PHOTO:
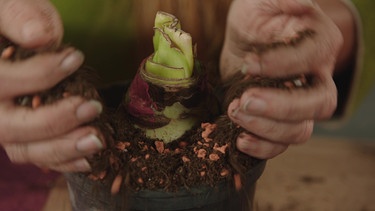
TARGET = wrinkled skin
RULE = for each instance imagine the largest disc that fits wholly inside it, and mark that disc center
(278, 118)
(48, 136)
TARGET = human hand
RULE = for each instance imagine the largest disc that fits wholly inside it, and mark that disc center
(266, 38)
(48, 136)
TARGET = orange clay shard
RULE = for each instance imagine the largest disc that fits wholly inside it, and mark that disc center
(7, 52)
(202, 153)
(220, 148)
(214, 157)
(100, 176)
(140, 180)
(237, 181)
(224, 172)
(116, 184)
(36, 101)
(159, 146)
(185, 159)
(66, 94)
(208, 128)
(122, 145)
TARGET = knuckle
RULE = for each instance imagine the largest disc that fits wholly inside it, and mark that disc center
(62, 119)
(288, 111)
(18, 153)
(245, 145)
(270, 128)
(50, 127)
(275, 149)
(43, 65)
(328, 106)
(262, 149)
(252, 124)
(306, 132)
(327, 103)
(57, 154)
(5, 134)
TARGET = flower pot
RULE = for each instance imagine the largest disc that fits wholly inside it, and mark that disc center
(86, 194)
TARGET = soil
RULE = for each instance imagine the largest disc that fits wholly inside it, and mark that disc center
(206, 155)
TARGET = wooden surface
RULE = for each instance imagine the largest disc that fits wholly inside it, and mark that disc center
(322, 175)
(325, 174)
(58, 199)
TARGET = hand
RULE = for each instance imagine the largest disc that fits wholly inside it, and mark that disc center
(277, 118)
(48, 136)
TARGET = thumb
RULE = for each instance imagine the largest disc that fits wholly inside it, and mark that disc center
(30, 23)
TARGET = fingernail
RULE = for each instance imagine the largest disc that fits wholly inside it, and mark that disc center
(247, 143)
(234, 107)
(32, 30)
(254, 105)
(90, 143)
(72, 61)
(243, 144)
(252, 64)
(89, 110)
(234, 112)
(254, 68)
(244, 69)
(82, 165)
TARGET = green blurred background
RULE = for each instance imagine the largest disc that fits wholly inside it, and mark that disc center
(102, 30)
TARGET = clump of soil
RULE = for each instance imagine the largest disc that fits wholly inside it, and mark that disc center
(206, 155)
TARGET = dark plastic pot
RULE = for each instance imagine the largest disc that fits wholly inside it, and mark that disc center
(86, 194)
(89, 195)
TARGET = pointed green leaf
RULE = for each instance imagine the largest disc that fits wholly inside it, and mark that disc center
(183, 42)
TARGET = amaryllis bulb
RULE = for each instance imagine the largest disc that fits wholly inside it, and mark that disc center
(166, 96)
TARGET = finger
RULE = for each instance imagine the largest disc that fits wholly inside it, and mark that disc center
(70, 148)
(37, 73)
(308, 56)
(30, 23)
(316, 102)
(282, 61)
(259, 148)
(273, 130)
(292, 7)
(312, 51)
(21, 124)
(278, 20)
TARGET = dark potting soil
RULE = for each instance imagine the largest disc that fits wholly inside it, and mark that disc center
(205, 155)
